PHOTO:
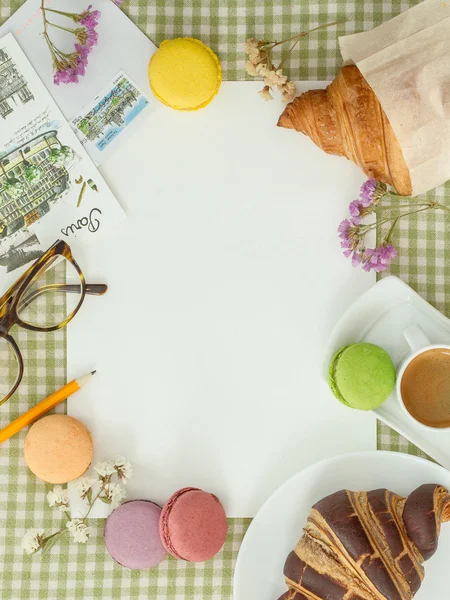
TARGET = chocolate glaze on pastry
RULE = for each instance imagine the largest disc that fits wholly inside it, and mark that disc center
(366, 545)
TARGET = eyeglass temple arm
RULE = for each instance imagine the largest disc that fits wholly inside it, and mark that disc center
(93, 289)
(96, 289)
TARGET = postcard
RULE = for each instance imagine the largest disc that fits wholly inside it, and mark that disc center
(49, 187)
(110, 117)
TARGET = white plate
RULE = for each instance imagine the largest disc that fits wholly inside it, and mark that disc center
(277, 527)
(380, 316)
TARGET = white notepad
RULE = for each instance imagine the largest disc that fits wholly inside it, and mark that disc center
(225, 282)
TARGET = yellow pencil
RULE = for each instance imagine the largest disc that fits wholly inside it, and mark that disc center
(42, 407)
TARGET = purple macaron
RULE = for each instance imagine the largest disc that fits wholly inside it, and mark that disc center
(132, 535)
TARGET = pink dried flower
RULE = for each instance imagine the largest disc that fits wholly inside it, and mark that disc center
(367, 189)
(76, 67)
(92, 38)
(67, 75)
(345, 231)
(371, 192)
(89, 18)
(83, 53)
(379, 258)
(68, 68)
(356, 259)
(81, 33)
(355, 211)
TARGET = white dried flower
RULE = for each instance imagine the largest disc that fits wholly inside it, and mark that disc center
(78, 530)
(251, 68)
(288, 90)
(252, 49)
(113, 494)
(250, 45)
(123, 469)
(84, 486)
(105, 468)
(59, 498)
(262, 69)
(32, 540)
(272, 78)
(265, 94)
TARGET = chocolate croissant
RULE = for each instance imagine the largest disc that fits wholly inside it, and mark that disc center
(347, 119)
(366, 545)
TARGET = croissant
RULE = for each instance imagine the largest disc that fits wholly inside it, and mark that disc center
(366, 545)
(347, 119)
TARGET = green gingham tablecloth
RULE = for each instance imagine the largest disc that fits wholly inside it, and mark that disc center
(77, 571)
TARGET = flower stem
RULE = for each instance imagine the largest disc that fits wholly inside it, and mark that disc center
(43, 17)
(441, 206)
(102, 487)
(58, 12)
(303, 34)
(366, 228)
(280, 66)
(92, 504)
(391, 229)
(51, 47)
(60, 27)
(394, 207)
(50, 541)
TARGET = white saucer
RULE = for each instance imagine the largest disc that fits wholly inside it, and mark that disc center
(380, 316)
(278, 525)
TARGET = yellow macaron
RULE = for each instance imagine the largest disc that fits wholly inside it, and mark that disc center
(184, 74)
(58, 448)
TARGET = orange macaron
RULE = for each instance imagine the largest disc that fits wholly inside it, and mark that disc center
(58, 449)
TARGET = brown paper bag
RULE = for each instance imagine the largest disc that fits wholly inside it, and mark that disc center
(406, 61)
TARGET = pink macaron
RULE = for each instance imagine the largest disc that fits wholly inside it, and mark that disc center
(193, 525)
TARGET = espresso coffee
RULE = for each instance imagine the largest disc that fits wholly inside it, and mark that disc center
(425, 387)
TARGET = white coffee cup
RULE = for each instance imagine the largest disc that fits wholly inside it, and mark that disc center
(419, 343)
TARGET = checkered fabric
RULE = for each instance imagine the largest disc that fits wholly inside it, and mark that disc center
(85, 572)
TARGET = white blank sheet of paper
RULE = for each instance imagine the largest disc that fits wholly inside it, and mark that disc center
(224, 284)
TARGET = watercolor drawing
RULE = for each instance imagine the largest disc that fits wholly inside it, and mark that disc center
(115, 110)
(111, 115)
(33, 177)
(14, 88)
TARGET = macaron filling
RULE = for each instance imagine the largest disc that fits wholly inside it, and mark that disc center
(332, 376)
(164, 530)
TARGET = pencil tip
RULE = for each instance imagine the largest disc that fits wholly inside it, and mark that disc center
(94, 372)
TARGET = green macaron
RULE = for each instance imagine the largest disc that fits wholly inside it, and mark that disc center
(361, 376)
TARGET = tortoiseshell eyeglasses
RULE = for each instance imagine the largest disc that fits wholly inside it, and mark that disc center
(45, 298)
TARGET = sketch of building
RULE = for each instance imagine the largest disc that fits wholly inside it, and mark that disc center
(110, 110)
(34, 199)
(14, 89)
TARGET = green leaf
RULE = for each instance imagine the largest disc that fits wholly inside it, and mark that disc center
(89, 496)
(105, 500)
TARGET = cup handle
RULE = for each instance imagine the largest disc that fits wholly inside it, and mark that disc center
(416, 338)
